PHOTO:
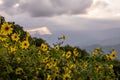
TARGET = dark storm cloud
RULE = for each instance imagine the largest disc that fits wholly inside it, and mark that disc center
(45, 8)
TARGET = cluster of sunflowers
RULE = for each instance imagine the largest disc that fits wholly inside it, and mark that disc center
(19, 60)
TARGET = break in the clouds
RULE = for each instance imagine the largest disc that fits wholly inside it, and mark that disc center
(104, 9)
(41, 31)
(40, 8)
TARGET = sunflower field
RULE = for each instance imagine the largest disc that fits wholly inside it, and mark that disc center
(21, 58)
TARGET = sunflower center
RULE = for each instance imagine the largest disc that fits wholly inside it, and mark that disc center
(6, 28)
(25, 44)
(113, 55)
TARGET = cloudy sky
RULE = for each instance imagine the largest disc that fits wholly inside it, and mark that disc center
(49, 16)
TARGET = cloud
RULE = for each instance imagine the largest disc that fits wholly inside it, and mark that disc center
(41, 31)
(45, 8)
(104, 9)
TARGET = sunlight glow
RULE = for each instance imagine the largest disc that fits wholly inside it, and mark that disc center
(16, 5)
(104, 9)
(1, 2)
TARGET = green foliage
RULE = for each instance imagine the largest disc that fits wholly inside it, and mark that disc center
(2, 20)
(37, 41)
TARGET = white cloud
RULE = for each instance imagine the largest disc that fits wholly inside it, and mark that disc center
(104, 9)
(41, 31)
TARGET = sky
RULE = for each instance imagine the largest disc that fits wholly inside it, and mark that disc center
(50, 16)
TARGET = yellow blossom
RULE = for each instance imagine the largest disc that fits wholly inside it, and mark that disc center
(111, 66)
(49, 77)
(97, 67)
(48, 65)
(45, 60)
(75, 52)
(18, 59)
(27, 34)
(3, 38)
(19, 71)
(56, 47)
(37, 71)
(25, 44)
(6, 45)
(85, 65)
(15, 37)
(6, 28)
(44, 47)
(107, 56)
(39, 53)
(66, 76)
(113, 54)
(13, 49)
(72, 66)
(68, 54)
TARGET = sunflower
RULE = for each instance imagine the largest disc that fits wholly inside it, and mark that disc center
(45, 60)
(25, 44)
(113, 55)
(68, 54)
(15, 37)
(97, 68)
(75, 52)
(18, 59)
(56, 47)
(66, 76)
(49, 77)
(48, 65)
(13, 49)
(19, 71)
(44, 47)
(111, 66)
(3, 38)
(6, 29)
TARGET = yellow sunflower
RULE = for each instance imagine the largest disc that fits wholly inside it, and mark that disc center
(49, 77)
(113, 54)
(75, 52)
(66, 76)
(97, 68)
(18, 59)
(56, 47)
(48, 65)
(44, 47)
(68, 54)
(6, 29)
(19, 71)
(13, 49)
(25, 44)
(15, 37)
(3, 38)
